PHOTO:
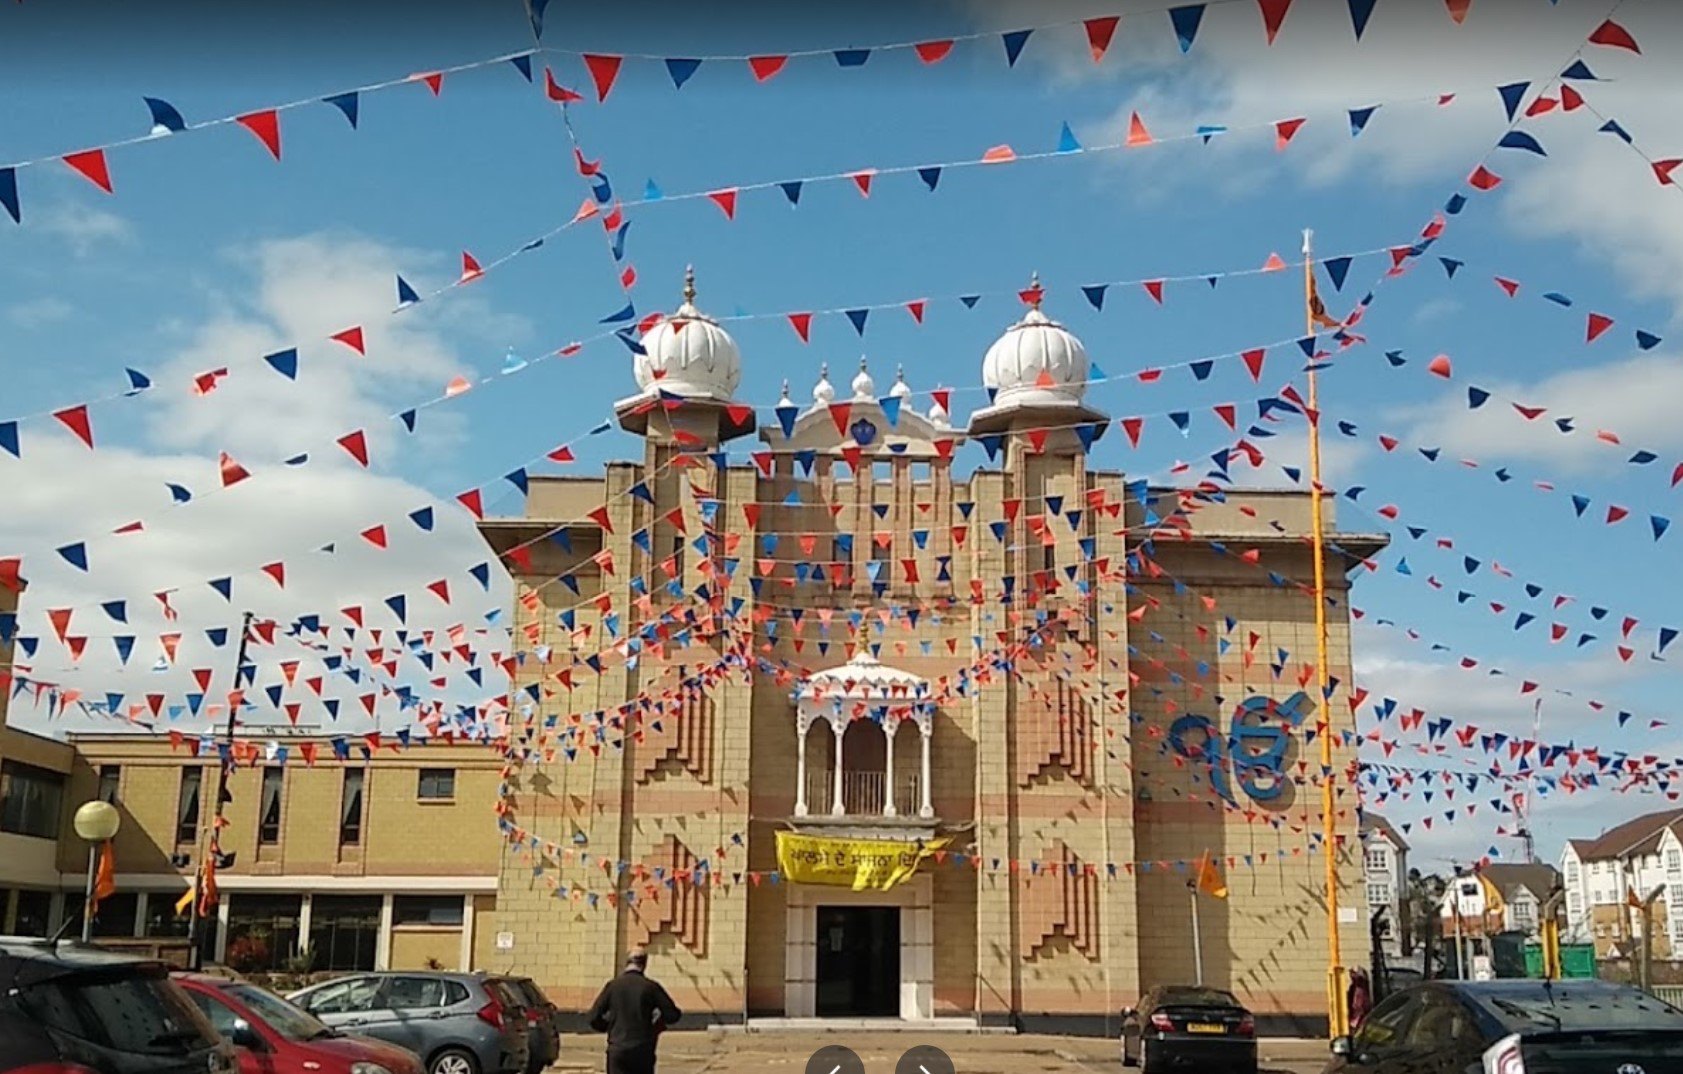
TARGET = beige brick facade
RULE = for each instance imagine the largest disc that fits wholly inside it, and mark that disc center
(1060, 771)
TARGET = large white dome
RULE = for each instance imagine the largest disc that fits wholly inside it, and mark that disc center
(687, 353)
(1034, 346)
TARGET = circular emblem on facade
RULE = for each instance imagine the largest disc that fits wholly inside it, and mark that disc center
(834, 1059)
(864, 432)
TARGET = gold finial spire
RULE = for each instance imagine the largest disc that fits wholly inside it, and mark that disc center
(900, 372)
(689, 283)
(1034, 290)
(861, 363)
(823, 370)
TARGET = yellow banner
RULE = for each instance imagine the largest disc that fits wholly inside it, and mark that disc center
(861, 864)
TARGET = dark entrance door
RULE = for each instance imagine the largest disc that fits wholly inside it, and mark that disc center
(858, 961)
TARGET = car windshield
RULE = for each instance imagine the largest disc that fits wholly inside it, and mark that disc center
(281, 1016)
(141, 1012)
(1197, 997)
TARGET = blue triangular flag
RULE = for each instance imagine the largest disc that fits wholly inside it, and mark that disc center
(534, 11)
(1014, 42)
(1095, 294)
(224, 586)
(792, 191)
(75, 554)
(1186, 20)
(9, 193)
(1451, 266)
(1660, 525)
(1646, 340)
(1512, 94)
(681, 70)
(1579, 70)
(969, 300)
(858, 318)
(284, 362)
(406, 295)
(523, 64)
(1337, 269)
(1476, 397)
(1066, 140)
(1517, 139)
(931, 176)
(1206, 131)
(652, 191)
(165, 118)
(852, 57)
(629, 312)
(517, 478)
(422, 517)
(1360, 10)
(1359, 118)
(117, 610)
(408, 419)
(1612, 127)
(346, 103)
(9, 438)
(1580, 504)
(786, 418)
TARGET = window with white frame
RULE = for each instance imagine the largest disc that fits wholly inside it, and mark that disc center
(1379, 894)
(1524, 914)
(1378, 860)
(1674, 863)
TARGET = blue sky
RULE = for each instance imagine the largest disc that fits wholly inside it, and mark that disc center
(211, 254)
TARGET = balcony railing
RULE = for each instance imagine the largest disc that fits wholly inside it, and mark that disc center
(864, 794)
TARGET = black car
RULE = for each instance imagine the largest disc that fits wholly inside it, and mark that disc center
(543, 1024)
(63, 1005)
(1515, 1027)
(1191, 1028)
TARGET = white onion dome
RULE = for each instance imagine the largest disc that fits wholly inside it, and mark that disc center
(687, 353)
(901, 389)
(863, 386)
(784, 399)
(1035, 345)
(823, 393)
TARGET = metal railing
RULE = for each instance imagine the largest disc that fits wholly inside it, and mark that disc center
(864, 794)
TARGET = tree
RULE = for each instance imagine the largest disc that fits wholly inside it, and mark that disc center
(1422, 906)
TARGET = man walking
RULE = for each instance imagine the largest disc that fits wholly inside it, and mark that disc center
(633, 1011)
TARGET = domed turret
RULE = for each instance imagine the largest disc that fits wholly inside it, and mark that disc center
(688, 354)
(901, 389)
(1036, 361)
(863, 386)
(823, 393)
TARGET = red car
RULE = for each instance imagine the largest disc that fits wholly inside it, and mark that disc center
(274, 1037)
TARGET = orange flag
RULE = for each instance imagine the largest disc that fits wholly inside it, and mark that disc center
(1209, 880)
(105, 877)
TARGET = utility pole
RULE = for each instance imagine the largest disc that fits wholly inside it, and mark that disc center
(210, 847)
(1338, 1015)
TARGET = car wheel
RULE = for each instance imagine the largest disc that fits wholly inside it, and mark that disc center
(453, 1061)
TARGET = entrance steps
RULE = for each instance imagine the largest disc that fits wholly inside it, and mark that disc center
(869, 1025)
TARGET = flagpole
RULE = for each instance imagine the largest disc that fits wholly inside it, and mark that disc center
(1197, 939)
(1337, 1013)
(212, 846)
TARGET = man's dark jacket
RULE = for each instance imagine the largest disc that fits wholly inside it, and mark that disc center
(626, 1011)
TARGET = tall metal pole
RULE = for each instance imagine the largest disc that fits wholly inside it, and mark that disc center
(1338, 1015)
(88, 897)
(213, 844)
(1197, 940)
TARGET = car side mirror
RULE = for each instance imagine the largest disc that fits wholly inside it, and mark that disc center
(1342, 1047)
(244, 1036)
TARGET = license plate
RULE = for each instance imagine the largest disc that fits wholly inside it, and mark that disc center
(1205, 1027)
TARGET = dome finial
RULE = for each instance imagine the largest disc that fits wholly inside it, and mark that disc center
(689, 283)
(1035, 292)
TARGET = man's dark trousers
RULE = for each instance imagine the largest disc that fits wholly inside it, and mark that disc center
(635, 1060)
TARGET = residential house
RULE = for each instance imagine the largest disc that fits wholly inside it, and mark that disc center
(1601, 876)
(1385, 865)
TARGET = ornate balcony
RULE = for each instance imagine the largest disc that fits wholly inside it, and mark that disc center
(866, 707)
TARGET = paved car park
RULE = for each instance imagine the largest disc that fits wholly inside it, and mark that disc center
(787, 1052)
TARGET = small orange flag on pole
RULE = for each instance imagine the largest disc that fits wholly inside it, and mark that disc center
(105, 877)
(1209, 880)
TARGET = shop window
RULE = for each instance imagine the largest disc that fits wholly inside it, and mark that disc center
(161, 918)
(262, 932)
(34, 908)
(427, 910)
(115, 915)
(30, 800)
(344, 932)
(437, 784)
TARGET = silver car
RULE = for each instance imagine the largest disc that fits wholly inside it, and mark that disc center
(458, 1023)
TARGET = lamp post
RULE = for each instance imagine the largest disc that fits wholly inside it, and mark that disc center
(95, 822)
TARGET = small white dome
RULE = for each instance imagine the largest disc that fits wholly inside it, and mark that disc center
(687, 353)
(901, 389)
(1034, 346)
(863, 386)
(823, 393)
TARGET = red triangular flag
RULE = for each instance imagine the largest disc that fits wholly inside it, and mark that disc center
(91, 164)
(266, 125)
(440, 589)
(1570, 99)
(1253, 362)
(561, 454)
(839, 413)
(1598, 323)
(1664, 168)
(375, 535)
(1484, 179)
(1613, 35)
(356, 444)
(470, 268)
(726, 200)
(933, 51)
(556, 91)
(862, 180)
(434, 81)
(232, 472)
(1458, 9)
(76, 420)
(1274, 263)
(802, 324)
(915, 308)
(603, 71)
(1099, 33)
(350, 337)
(764, 67)
(999, 154)
(1137, 134)
(472, 501)
(1133, 427)
(601, 518)
(1273, 14)
(1284, 130)
(1510, 286)
(1228, 414)
(1154, 288)
(277, 571)
(1439, 366)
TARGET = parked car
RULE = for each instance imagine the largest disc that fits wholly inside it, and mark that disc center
(543, 1025)
(70, 1009)
(275, 1037)
(1515, 1027)
(458, 1023)
(1189, 1027)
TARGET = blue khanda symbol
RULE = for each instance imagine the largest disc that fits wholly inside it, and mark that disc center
(863, 432)
(1254, 748)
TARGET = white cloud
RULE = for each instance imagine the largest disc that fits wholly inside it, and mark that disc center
(1635, 398)
(84, 228)
(1436, 310)
(39, 312)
